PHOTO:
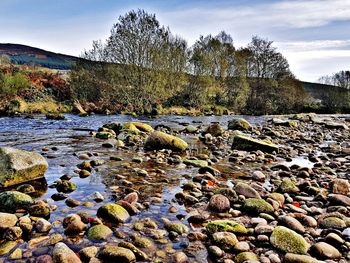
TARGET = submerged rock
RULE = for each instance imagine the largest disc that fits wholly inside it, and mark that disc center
(160, 140)
(18, 166)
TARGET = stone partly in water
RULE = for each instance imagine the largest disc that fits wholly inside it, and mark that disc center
(18, 166)
(288, 241)
(239, 124)
(99, 232)
(160, 140)
(247, 143)
(116, 254)
(215, 129)
(10, 201)
(63, 254)
(113, 213)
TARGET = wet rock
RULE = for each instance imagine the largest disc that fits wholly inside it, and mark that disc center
(285, 123)
(288, 186)
(104, 135)
(174, 226)
(99, 232)
(246, 143)
(72, 202)
(65, 186)
(10, 201)
(225, 226)
(246, 190)
(292, 223)
(44, 259)
(42, 225)
(196, 163)
(132, 210)
(160, 140)
(256, 206)
(12, 233)
(7, 220)
(6, 247)
(116, 254)
(332, 222)
(140, 255)
(339, 199)
(288, 240)
(215, 130)
(239, 124)
(229, 193)
(131, 198)
(225, 240)
(219, 203)
(323, 250)
(88, 253)
(39, 210)
(215, 251)
(295, 258)
(18, 166)
(73, 224)
(63, 254)
(180, 257)
(143, 242)
(246, 257)
(26, 188)
(55, 116)
(113, 213)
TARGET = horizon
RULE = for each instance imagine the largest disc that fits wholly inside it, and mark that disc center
(311, 34)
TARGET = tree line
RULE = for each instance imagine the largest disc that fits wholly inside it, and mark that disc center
(143, 66)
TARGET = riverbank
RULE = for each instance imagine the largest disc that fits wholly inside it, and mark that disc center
(174, 199)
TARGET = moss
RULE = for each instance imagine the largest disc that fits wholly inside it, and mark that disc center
(246, 256)
(99, 232)
(332, 222)
(196, 163)
(277, 197)
(65, 186)
(239, 124)
(142, 126)
(143, 242)
(113, 212)
(160, 140)
(176, 227)
(10, 201)
(257, 206)
(116, 254)
(246, 143)
(225, 240)
(104, 135)
(225, 226)
(288, 240)
(131, 128)
(6, 247)
(288, 186)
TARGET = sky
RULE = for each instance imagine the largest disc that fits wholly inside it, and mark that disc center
(314, 35)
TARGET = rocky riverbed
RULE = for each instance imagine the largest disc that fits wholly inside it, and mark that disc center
(179, 189)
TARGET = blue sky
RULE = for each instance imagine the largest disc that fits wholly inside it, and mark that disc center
(314, 35)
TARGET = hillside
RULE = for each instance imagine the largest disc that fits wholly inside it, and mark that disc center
(26, 55)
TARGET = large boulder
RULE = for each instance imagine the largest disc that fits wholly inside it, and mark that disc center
(18, 166)
(247, 143)
(10, 201)
(160, 140)
(288, 241)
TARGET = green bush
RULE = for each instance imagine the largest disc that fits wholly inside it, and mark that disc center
(11, 84)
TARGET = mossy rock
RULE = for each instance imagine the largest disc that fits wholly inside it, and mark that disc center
(225, 226)
(10, 201)
(225, 240)
(160, 140)
(143, 242)
(55, 116)
(18, 166)
(229, 193)
(288, 241)
(65, 186)
(104, 135)
(285, 123)
(143, 126)
(277, 197)
(215, 130)
(116, 254)
(6, 247)
(176, 227)
(191, 129)
(256, 206)
(246, 256)
(332, 222)
(113, 213)
(196, 163)
(288, 186)
(99, 232)
(131, 128)
(239, 124)
(247, 143)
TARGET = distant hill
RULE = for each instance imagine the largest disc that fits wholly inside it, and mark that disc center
(26, 55)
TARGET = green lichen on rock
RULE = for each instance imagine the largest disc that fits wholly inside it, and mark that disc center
(143, 242)
(239, 124)
(10, 201)
(247, 143)
(18, 166)
(104, 135)
(246, 256)
(229, 193)
(288, 241)
(131, 128)
(256, 206)
(113, 213)
(288, 186)
(225, 226)
(99, 232)
(142, 126)
(196, 163)
(116, 254)
(65, 186)
(176, 227)
(332, 222)
(225, 240)
(160, 140)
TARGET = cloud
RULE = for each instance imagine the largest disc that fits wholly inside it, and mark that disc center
(297, 46)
